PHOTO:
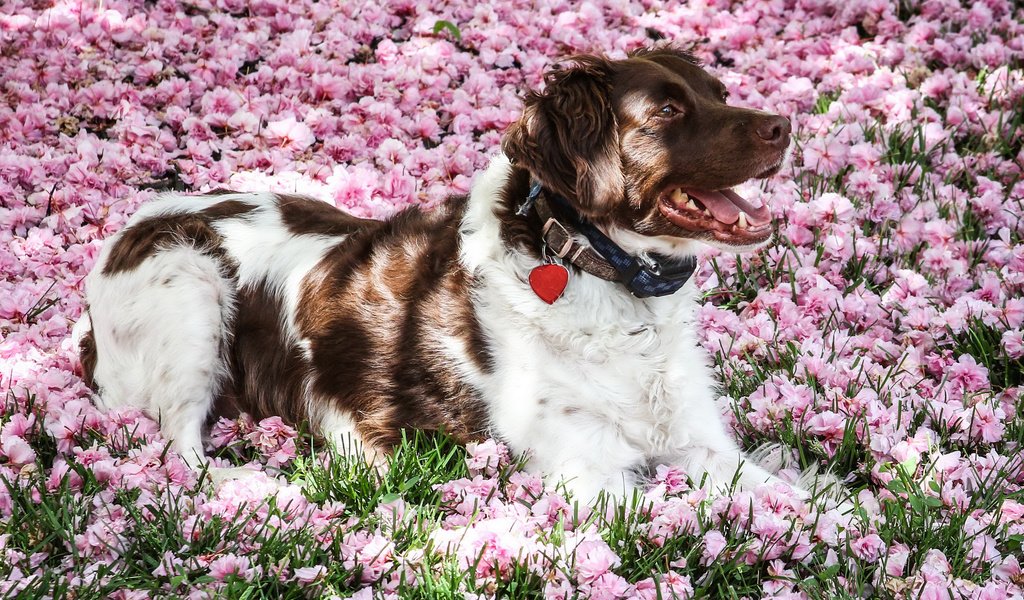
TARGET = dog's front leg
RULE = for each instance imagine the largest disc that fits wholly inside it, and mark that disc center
(587, 455)
(709, 454)
(717, 466)
(703, 447)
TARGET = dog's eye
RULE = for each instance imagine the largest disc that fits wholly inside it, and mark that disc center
(668, 111)
(725, 95)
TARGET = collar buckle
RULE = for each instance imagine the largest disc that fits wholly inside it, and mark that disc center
(527, 204)
(665, 267)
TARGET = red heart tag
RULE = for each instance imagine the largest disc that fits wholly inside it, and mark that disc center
(549, 281)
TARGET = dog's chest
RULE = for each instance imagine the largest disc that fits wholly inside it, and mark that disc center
(606, 364)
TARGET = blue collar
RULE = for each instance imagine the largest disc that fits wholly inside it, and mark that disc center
(644, 275)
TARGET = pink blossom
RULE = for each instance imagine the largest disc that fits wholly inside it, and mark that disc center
(714, 543)
(308, 575)
(829, 425)
(486, 457)
(968, 375)
(674, 479)
(1013, 343)
(274, 439)
(524, 486)
(593, 559)
(671, 585)
(18, 425)
(392, 512)
(868, 548)
(230, 565)
(609, 586)
(984, 550)
(1008, 569)
(985, 422)
(17, 451)
(225, 431)
(290, 134)
(370, 554)
(825, 156)
(896, 561)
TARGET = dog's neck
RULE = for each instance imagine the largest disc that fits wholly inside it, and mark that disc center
(545, 226)
(523, 233)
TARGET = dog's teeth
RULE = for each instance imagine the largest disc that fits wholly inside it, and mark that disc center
(742, 222)
(707, 213)
(691, 205)
(678, 196)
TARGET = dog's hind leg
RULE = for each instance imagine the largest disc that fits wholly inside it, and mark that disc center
(160, 332)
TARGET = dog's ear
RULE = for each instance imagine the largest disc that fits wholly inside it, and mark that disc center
(568, 136)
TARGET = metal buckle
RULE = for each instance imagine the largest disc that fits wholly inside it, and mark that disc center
(672, 272)
(527, 204)
(648, 263)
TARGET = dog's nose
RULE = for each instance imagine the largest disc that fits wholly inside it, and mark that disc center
(774, 130)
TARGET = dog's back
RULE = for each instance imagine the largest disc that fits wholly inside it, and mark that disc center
(282, 305)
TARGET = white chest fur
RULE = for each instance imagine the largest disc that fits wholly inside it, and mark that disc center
(597, 383)
(593, 359)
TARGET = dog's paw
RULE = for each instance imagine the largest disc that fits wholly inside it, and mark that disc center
(219, 477)
(846, 508)
(610, 491)
(821, 488)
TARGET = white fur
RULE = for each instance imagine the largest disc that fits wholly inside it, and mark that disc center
(600, 382)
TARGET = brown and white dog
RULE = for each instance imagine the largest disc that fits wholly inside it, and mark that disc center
(281, 305)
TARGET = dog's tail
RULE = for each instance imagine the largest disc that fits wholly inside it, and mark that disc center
(80, 328)
(82, 337)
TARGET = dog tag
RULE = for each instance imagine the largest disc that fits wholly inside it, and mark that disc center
(549, 281)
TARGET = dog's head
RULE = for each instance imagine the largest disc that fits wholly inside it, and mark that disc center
(649, 144)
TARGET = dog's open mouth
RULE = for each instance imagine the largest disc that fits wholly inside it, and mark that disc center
(729, 217)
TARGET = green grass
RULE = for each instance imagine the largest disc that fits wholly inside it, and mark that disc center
(50, 521)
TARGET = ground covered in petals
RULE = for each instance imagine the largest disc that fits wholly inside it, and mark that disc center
(881, 337)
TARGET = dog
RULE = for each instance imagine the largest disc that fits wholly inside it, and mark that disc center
(553, 308)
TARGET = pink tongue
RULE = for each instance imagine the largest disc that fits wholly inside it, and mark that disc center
(725, 206)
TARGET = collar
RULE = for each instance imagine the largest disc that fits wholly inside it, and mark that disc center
(644, 275)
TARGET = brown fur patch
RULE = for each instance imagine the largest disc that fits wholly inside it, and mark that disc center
(308, 216)
(143, 239)
(227, 209)
(378, 311)
(520, 232)
(467, 325)
(268, 370)
(568, 136)
(88, 357)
